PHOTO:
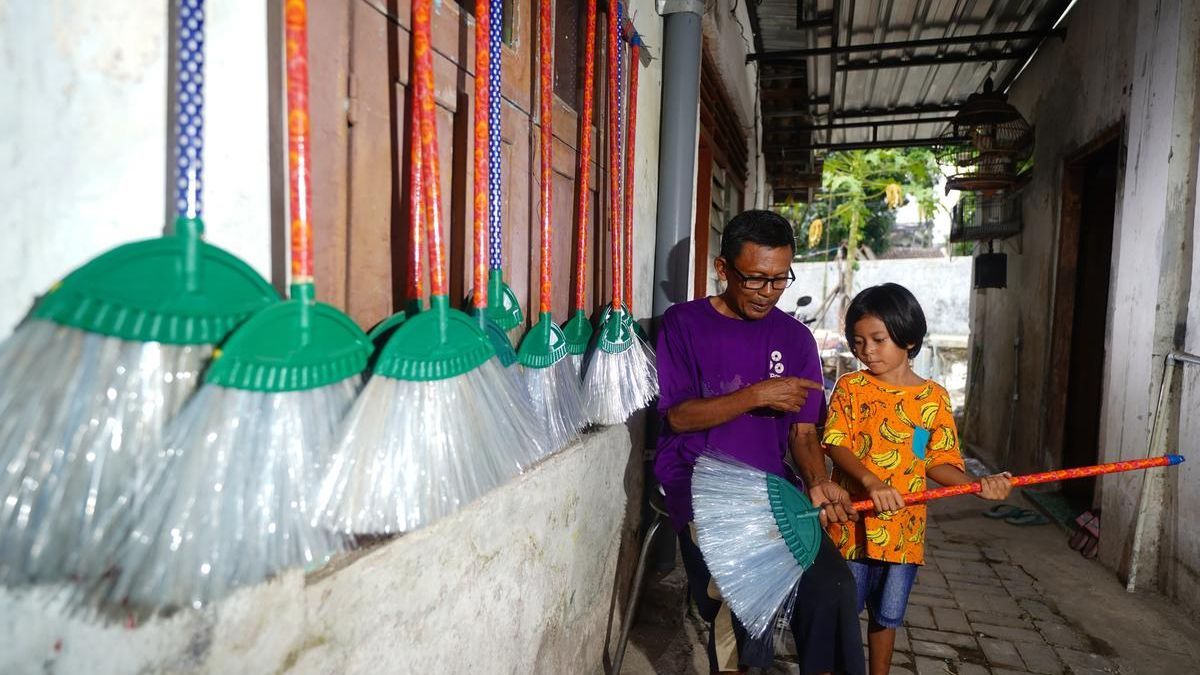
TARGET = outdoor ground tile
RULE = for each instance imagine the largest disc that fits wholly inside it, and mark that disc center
(1009, 633)
(1061, 635)
(970, 669)
(935, 649)
(999, 619)
(922, 598)
(928, 666)
(1079, 660)
(1001, 652)
(951, 620)
(955, 639)
(1040, 658)
(1038, 609)
(920, 616)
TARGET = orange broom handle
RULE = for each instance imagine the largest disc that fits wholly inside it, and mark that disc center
(614, 149)
(300, 197)
(416, 203)
(482, 67)
(546, 147)
(630, 133)
(585, 154)
(423, 56)
(1034, 478)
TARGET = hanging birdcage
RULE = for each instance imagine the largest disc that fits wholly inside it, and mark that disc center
(980, 217)
(986, 141)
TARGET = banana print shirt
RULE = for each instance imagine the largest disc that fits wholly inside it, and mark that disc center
(897, 433)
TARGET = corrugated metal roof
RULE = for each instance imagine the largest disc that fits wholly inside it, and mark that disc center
(904, 94)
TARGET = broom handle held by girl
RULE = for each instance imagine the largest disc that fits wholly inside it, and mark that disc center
(1028, 479)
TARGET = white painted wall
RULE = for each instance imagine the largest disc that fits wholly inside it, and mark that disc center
(83, 136)
(941, 285)
(518, 582)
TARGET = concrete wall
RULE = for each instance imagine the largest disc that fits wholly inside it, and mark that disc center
(84, 138)
(1072, 91)
(1121, 61)
(520, 581)
(729, 38)
(942, 286)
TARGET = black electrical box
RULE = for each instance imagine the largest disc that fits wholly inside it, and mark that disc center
(991, 270)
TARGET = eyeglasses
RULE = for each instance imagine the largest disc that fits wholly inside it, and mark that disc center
(758, 283)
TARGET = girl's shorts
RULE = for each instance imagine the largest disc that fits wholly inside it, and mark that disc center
(883, 588)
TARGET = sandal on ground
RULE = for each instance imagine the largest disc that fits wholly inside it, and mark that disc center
(1027, 518)
(1004, 511)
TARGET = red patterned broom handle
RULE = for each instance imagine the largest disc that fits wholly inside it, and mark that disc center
(614, 150)
(546, 145)
(416, 201)
(300, 197)
(423, 56)
(1034, 478)
(583, 177)
(482, 66)
(630, 133)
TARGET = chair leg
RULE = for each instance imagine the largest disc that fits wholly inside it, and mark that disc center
(634, 593)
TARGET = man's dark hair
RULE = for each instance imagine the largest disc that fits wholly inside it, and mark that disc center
(757, 226)
(897, 308)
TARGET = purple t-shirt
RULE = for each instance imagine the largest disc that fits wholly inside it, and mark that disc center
(703, 353)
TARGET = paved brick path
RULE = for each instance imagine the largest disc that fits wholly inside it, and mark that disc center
(992, 599)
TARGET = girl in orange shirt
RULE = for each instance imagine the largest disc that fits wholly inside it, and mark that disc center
(888, 429)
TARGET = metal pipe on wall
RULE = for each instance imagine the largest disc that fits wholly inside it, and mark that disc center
(677, 150)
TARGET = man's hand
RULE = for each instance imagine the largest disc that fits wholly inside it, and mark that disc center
(785, 394)
(833, 501)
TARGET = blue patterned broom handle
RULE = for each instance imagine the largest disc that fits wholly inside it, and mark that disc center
(189, 110)
(495, 227)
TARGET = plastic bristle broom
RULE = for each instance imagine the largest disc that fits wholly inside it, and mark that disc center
(609, 385)
(550, 378)
(503, 307)
(643, 371)
(485, 74)
(578, 330)
(108, 357)
(228, 503)
(440, 422)
(758, 532)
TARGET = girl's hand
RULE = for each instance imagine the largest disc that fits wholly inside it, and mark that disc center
(886, 497)
(996, 486)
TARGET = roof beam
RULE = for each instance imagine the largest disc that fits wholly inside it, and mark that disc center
(862, 145)
(772, 132)
(786, 55)
(930, 60)
(873, 112)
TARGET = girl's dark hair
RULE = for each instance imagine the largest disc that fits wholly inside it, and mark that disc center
(896, 308)
(757, 226)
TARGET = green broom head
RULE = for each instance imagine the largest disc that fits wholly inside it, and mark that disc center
(503, 307)
(497, 335)
(794, 517)
(434, 345)
(578, 332)
(175, 289)
(544, 345)
(298, 344)
(615, 334)
(634, 325)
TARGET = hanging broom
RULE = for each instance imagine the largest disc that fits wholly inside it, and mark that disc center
(227, 503)
(643, 372)
(479, 298)
(439, 423)
(503, 308)
(578, 330)
(108, 357)
(550, 378)
(758, 533)
(611, 389)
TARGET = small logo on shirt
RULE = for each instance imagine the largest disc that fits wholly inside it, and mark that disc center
(776, 368)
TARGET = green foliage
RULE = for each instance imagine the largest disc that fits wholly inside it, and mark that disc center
(856, 202)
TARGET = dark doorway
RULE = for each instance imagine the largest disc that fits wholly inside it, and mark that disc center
(1089, 206)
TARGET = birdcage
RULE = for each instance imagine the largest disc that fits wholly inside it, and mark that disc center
(985, 143)
(982, 216)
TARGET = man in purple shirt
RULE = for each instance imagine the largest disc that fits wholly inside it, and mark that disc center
(740, 376)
